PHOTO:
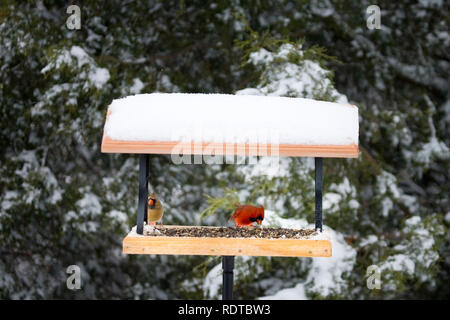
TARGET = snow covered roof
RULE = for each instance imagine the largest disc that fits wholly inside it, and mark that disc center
(157, 122)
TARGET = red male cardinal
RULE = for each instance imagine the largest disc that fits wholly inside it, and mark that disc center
(245, 215)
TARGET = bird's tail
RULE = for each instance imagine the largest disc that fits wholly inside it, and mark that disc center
(236, 204)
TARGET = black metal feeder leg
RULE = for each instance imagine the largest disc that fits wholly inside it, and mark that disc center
(228, 267)
(318, 185)
(143, 193)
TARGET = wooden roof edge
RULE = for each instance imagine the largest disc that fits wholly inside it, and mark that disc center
(172, 147)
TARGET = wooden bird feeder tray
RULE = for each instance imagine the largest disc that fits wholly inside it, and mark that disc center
(306, 128)
(225, 245)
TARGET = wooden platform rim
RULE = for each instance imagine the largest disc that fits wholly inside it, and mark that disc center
(220, 246)
(223, 238)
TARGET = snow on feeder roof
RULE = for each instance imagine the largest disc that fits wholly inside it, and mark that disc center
(231, 124)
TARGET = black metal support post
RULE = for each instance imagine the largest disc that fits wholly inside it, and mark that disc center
(228, 267)
(143, 193)
(318, 186)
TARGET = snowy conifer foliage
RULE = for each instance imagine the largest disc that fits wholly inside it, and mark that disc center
(63, 202)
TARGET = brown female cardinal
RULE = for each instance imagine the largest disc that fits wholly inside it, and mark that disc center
(245, 215)
(155, 209)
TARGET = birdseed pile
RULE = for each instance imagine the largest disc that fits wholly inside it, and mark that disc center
(232, 232)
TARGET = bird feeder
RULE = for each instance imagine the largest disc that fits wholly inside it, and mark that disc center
(228, 125)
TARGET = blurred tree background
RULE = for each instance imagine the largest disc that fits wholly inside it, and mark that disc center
(62, 202)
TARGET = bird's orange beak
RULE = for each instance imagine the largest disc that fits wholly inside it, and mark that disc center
(258, 221)
(151, 202)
